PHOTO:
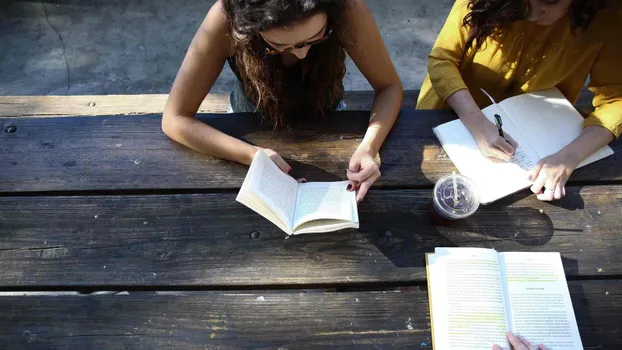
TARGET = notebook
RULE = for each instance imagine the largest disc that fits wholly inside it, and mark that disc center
(477, 295)
(297, 207)
(542, 123)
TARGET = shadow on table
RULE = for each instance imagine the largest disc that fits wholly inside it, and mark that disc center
(406, 237)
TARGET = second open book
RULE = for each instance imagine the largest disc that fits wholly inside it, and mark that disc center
(297, 207)
(477, 295)
(542, 123)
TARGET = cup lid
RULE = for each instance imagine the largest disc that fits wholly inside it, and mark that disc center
(457, 199)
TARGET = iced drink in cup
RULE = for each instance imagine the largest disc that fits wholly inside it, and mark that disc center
(454, 198)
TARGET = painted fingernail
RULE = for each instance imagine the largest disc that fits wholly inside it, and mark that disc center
(529, 178)
(349, 188)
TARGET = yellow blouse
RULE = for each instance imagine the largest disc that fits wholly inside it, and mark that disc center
(528, 58)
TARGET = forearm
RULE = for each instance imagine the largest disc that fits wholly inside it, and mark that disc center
(205, 139)
(384, 112)
(468, 111)
(592, 138)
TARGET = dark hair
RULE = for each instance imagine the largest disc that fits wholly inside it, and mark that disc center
(487, 17)
(263, 75)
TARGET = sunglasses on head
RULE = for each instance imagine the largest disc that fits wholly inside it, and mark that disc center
(273, 51)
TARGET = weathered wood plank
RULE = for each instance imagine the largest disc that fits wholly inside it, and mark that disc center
(92, 105)
(263, 320)
(119, 153)
(207, 240)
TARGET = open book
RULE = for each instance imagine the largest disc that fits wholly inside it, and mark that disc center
(477, 295)
(297, 207)
(542, 123)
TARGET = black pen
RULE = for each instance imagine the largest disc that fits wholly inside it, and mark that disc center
(499, 123)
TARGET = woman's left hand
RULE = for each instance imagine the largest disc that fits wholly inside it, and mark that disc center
(363, 172)
(551, 173)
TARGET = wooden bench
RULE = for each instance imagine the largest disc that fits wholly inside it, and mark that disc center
(41, 106)
(110, 203)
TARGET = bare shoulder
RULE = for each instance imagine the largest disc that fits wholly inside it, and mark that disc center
(215, 28)
(356, 8)
(358, 19)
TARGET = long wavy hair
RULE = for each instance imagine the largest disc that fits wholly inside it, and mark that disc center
(264, 76)
(488, 17)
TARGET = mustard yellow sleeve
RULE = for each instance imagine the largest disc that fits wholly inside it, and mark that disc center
(446, 55)
(606, 84)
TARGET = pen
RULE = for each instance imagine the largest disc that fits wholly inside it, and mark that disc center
(499, 123)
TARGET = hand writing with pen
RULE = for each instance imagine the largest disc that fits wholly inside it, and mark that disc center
(549, 176)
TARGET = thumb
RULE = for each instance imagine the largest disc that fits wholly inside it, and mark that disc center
(281, 163)
(354, 166)
(352, 174)
(500, 154)
(504, 146)
(496, 347)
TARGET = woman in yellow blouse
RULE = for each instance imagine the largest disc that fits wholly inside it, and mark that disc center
(510, 47)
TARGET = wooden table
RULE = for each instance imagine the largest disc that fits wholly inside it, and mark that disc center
(109, 203)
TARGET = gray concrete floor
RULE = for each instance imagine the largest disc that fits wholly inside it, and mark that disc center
(84, 47)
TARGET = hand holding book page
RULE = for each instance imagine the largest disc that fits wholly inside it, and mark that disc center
(269, 191)
(297, 207)
(477, 295)
(520, 343)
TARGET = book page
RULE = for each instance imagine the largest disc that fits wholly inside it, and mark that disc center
(249, 199)
(549, 122)
(467, 300)
(329, 225)
(275, 188)
(493, 180)
(323, 200)
(540, 308)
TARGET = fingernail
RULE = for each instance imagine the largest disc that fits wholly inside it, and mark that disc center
(349, 188)
(529, 178)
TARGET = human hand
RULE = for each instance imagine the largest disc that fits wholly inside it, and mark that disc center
(362, 172)
(551, 173)
(276, 158)
(493, 146)
(519, 343)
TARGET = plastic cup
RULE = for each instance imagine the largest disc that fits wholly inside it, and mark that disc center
(455, 197)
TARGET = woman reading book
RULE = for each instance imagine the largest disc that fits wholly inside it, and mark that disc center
(511, 47)
(289, 60)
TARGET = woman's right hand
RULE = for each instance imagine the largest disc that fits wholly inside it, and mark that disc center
(493, 146)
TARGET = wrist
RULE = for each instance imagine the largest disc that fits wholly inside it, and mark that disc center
(571, 156)
(368, 148)
(249, 154)
(475, 123)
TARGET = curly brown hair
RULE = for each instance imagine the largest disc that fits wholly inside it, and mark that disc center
(264, 75)
(487, 17)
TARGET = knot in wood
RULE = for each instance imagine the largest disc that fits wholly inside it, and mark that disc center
(163, 255)
(255, 234)
(11, 129)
